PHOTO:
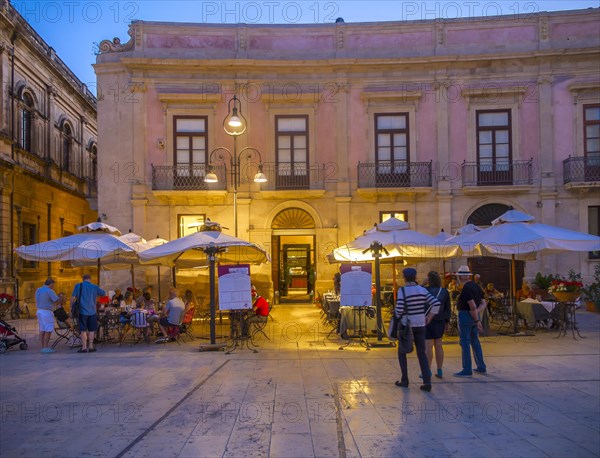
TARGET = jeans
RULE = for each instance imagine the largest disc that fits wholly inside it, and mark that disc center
(419, 337)
(469, 337)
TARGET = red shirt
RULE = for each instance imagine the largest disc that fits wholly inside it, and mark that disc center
(261, 306)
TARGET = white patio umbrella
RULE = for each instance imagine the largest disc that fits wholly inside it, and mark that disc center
(515, 236)
(204, 248)
(399, 241)
(393, 239)
(97, 241)
(126, 259)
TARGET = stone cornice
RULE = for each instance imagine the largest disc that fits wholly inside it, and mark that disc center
(347, 64)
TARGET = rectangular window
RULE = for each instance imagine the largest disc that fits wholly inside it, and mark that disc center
(189, 224)
(392, 149)
(190, 147)
(494, 147)
(385, 215)
(29, 236)
(591, 141)
(594, 227)
(291, 145)
(591, 121)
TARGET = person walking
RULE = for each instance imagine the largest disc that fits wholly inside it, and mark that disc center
(470, 305)
(417, 305)
(45, 301)
(434, 331)
(87, 293)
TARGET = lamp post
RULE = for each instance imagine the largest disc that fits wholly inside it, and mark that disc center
(235, 125)
(235, 161)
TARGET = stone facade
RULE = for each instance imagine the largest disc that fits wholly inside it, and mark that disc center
(48, 148)
(439, 84)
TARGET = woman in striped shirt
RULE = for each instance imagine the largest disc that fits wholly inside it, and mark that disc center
(419, 307)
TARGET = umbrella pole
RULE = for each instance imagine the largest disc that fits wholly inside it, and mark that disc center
(98, 272)
(211, 253)
(158, 280)
(376, 249)
(513, 290)
(173, 277)
(394, 288)
(133, 280)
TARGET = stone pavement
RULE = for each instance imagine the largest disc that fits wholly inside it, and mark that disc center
(300, 396)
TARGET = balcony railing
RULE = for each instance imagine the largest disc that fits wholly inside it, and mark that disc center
(397, 175)
(286, 175)
(497, 173)
(186, 178)
(581, 169)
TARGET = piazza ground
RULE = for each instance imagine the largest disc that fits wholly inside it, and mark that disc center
(300, 396)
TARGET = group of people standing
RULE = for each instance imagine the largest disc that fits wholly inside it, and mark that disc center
(427, 308)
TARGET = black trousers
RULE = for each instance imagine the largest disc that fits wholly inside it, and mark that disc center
(419, 337)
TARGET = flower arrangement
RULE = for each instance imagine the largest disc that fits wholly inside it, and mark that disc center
(6, 298)
(565, 286)
(571, 284)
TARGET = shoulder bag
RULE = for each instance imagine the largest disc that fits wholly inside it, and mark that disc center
(404, 332)
(76, 307)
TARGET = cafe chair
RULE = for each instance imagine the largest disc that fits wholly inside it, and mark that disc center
(185, 329)
(258, 327)
(139, 323)
(64, 332)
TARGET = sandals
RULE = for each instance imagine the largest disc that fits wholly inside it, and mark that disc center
(82, 350)
(92, 350)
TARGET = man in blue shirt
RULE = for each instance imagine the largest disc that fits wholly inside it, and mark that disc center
(88, 320)
(45, 301)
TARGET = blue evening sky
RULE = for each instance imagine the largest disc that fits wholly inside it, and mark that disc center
(74, 28)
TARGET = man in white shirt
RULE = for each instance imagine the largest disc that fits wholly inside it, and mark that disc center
(45, 301)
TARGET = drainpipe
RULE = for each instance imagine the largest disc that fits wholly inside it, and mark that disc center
(12, 155)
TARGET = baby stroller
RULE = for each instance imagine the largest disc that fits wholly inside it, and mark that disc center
(9, 337)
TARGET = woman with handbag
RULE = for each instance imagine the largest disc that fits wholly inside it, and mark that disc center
(415, 307)
(434, 331)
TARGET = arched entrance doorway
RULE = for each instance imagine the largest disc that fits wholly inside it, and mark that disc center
(494, 270)
(293, 256)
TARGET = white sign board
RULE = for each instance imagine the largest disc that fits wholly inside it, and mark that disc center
(356, 285)
(234, 287)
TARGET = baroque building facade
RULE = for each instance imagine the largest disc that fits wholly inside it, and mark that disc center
(442, 123)
(48, 155)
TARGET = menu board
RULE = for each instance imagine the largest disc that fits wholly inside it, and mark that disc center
(234, 287)
(356, 285)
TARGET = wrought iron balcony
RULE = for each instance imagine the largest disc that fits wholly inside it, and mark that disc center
(397, 175)
(581, 169)
(514, 173)
(186, 178)
(286, 175)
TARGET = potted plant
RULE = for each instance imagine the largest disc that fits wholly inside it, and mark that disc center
(566, 289)
(591, 292)
(541, 283)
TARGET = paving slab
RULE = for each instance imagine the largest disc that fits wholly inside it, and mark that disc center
(300, 396)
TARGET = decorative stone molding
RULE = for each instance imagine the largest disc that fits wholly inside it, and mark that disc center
(585, 90)
(242, 38)
(543, 28)
(107, 46)
(440, 32)
(340, 37)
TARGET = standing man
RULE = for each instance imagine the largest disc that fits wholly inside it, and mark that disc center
(45, 300)
(470, 305)
(88, 293)
(416, 305)
(260, 306)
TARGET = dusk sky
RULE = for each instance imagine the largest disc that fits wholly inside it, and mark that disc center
(75, 28)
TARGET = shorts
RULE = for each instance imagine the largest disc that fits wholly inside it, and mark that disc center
(435, 329)
(88, 323)
(165, 322)
(45, 320)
